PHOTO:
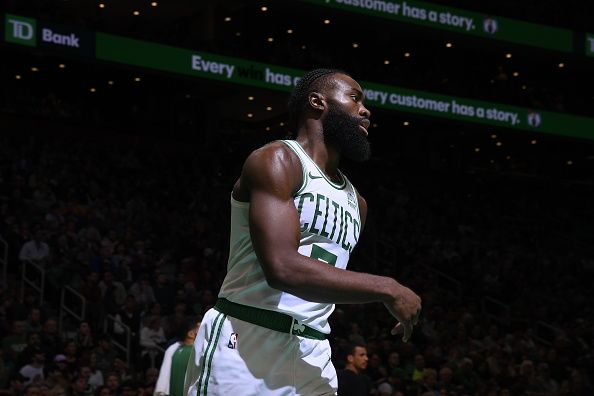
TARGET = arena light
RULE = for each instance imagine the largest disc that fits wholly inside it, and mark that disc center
(508, 55)
(250, 98)
(290, 31)
(282, 124)
(515, 74)
(270, 39)
(534, 141)
(110, 82)
(561, 65)
(326, 21)
(268, 108)
(62, 66)
(34, 69)
(227, 19)
(355, 45)
(18, 77)
(238, 34)
(498, 144)
(569, 162)
(508, 157)
(154, 4)
(136, 13)
(406, 123)
(137, 79)
(407, 54)
(493, 136)
(249, 115)
(303, 47)
(101, 5)
(263, 8)
(386, 62)
(267, 128)
(449, 45)
(92, 90)
(477, 149)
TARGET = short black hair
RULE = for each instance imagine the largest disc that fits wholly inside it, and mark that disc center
(311, 81)
(351, 346)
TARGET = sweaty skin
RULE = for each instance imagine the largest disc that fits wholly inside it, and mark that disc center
(269, 179)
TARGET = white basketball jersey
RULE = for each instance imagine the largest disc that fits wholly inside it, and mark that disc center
(330, 227)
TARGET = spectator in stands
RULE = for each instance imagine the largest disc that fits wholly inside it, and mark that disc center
(152, 340)
(428, 386)
(84, 337)
(175, 322)
(142, 292)
(14, 343)
(59, 370)
(94, 380)
(124, 372)
(351, 380)
(33, 345)
(92, 293)
(129, 315)
(164, 292)
(71, 353)
(104, 353)
(80, 387)
(102, 391)
(36, 249)
(446, 385)
(96, 376)
(34, 371)
(15, 386)
(34, 320)
(51, 341)
(113, 293)
(112, 381)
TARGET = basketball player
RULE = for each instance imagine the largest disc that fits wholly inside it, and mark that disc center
(175, 361)
(295, 219)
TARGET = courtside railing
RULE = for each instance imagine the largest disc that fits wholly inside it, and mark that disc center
(72, 304)
(33, 276)
(112, 325)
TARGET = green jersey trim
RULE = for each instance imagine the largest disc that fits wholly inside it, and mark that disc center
(338, 186)
(304, 182)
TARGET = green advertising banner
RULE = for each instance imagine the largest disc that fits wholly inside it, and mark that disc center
(233, 70)
(32, 33)
(460, 21)
(589, 44)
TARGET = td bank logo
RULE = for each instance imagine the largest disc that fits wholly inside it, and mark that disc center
(20, 30)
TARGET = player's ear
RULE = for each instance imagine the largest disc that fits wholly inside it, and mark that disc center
(317, 101)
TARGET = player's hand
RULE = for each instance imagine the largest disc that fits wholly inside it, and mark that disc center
(406, 307)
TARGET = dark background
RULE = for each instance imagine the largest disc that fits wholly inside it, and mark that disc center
(133, 178)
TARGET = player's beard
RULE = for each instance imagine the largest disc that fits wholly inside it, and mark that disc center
(344, 132)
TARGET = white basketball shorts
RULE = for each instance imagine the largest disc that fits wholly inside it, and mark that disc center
(232, 357)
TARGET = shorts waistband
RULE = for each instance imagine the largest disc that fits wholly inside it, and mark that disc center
(270, 319)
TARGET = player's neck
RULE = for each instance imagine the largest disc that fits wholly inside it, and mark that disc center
(326, 157)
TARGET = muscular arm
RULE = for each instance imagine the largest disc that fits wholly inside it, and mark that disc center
(270, 177)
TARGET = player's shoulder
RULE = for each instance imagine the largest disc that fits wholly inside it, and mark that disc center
(275, 154)
(274, 161)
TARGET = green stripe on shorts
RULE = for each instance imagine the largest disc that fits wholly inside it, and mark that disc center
(212, 355)
(210, 347)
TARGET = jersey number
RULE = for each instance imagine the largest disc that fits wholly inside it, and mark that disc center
(322, 254)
